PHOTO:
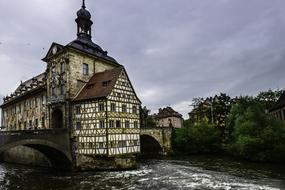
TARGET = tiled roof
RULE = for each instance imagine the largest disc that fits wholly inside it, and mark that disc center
(90, 47)
(85, 46)
(100, 85)
(26, 87)
(167, 112)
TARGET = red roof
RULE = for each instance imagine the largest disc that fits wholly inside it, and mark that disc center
(100, 85)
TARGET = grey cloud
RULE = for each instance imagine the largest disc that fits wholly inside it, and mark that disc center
(173, 50)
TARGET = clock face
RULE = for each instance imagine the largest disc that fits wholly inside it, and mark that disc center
(54, 50)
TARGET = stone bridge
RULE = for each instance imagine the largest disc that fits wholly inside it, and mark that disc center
(156, 140)
(53, 143)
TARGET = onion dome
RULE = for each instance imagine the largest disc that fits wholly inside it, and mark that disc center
(83, 13)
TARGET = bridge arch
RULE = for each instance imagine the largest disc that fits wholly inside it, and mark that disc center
(150, 146)
(58, 157)
(156, 140)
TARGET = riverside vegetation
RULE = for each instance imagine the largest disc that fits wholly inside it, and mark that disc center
(239, 126)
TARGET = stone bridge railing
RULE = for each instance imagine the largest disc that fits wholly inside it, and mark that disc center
(39, 132)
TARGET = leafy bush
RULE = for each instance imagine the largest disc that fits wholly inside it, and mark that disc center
(197, 138)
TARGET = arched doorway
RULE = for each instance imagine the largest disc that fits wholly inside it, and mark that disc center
(57, 119)
(150, 147)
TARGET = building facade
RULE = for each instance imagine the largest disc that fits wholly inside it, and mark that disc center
(84, 90)
(278, 110)
(167, 117)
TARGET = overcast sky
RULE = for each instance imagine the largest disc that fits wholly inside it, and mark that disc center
(173, 50)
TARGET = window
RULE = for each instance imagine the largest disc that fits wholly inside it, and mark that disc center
(106, 83)
(136, 124)
(136, 142)
(113, 107)
(101, 124)
(85, 69)
(112, 144)
(122, 143)
(62, 90)
(124, 108)
(37, 124)
(135, 110)
(101, 145)
(36, 102)
(77, 110)
(43, 122)
(52, 91)
(78, 125)
(111, 124)
(118, 124)
(43, 100)
(127, 124)
(30, 124)
(62, 67)
(101, 107)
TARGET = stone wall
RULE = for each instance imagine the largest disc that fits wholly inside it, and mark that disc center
(89, 162)
(165, 122)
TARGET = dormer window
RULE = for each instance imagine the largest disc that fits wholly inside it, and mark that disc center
(85, 69)
(106, 83)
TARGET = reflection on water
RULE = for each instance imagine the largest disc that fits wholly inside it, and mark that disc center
(190, 173)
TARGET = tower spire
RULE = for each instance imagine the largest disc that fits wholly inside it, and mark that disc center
(83, 4)
(84, 22)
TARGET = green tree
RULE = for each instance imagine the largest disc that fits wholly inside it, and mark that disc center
(146, 119)
(256, 135)
(197, 138)
(269, 98)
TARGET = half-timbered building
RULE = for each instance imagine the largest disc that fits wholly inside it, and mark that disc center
(84, 90)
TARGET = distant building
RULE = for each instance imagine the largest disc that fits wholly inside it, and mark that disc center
(200, 113)
(278, 110)
(167, 117)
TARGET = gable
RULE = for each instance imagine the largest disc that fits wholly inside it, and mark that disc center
(53, 50)
(123, 90)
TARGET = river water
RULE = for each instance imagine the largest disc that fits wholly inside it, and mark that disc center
(191, 173)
